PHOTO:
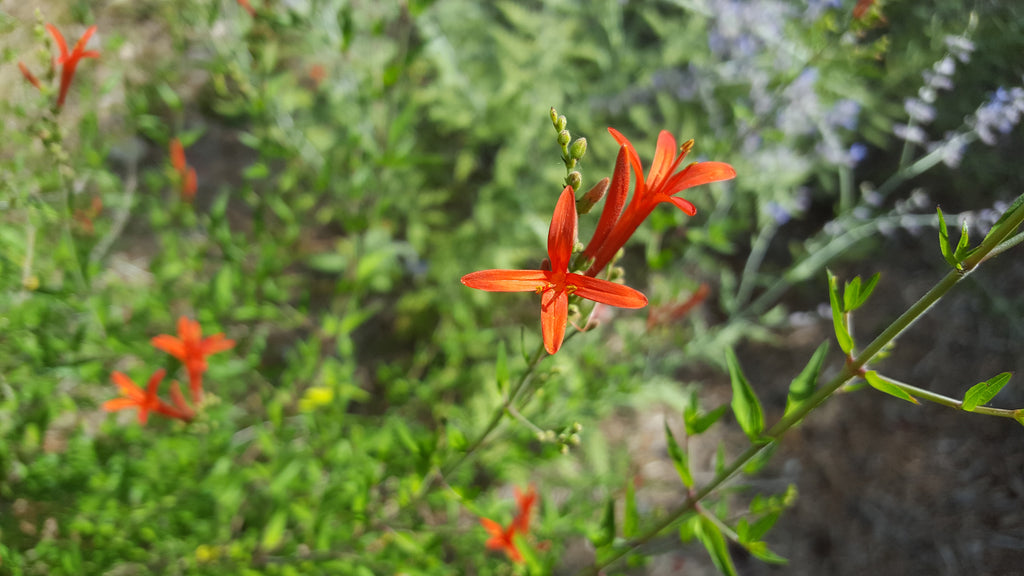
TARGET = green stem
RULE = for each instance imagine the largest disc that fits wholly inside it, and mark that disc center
(851, 370)
(757, 252)
(922, 394)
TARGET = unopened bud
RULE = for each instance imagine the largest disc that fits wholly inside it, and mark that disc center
(579, 148)
(564, 137)
(574, 179)
(561, 123)
(592, 197)
(554, 118)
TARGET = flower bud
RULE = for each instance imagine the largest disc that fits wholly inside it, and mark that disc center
(561, 123)
(554, 118)
(592, 197)
(574, 179)
(564, 137)
(578, 148)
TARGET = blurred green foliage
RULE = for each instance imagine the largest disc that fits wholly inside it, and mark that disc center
(354, 160)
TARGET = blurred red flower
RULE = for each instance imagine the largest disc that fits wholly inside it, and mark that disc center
(145, 402)
(248, 7)
(557, 284)
(192, 349)
(504, 538)
(69, 60)
(186, 173)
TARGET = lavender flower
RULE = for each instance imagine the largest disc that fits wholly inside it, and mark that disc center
(1000, 114)
(919, 111)
(909, 133)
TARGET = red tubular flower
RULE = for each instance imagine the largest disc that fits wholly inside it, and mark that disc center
(556, 285)
(662, 183)
(502, 539)
(69, 60)
(192, 349)
(521, 522)
(186, 173)
(145, 402)
(248, 7)
(29, 76)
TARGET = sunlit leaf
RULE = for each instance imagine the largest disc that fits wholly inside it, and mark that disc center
(961, 246)
(630, 519)
(711, 537)
(944, 240)
(804, 385)
(881, 384)
(745, 404)
(983, 392)
(679, 458)
(838, 322)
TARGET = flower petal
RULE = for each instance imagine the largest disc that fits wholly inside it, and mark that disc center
(170, 344)
(189, 331)
(507, 280)
(554, 314)
(493, 528)
(613, 203)
(606, 292)
(562, 233)
(634, 158)
(154, 383)
(127, 387)
(697, 174)
(80, 45)
(662, 165)
(684, 205)
(177, 155)
(119, 404)
(216, 343)
(59, 39)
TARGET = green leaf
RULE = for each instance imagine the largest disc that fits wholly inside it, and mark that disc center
(630, 519)
(838, 321)
(851, 294)
(801, 388)
(760, 527)
(699, 422)
(274, 531)
(880, 383)
(501, 369)
(981, 393)
(711, 537)
(944, 240)
(961, 246)
(679, 458)
(607, 534)
(745, 405)
(760, 551)
(1006, 214)
(867, 289)
(688, 528)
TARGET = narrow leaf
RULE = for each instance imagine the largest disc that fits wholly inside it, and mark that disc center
(745, 405)
(1006, 214)
(801, 388)
(881, 384)
(760, 551)
(961, 246)
(701, 422)
(273, 533)
(851, 294)
(501, 376)
(838, 323)
(981, 393)
(688, 527)
(711, 537)
(630, 520)
(679, 458)
(607, 534)
(944, 240)
(867, 289)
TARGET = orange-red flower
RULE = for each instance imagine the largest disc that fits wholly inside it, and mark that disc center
(248, 7)
(186, 173)
(192, 349)
(145, 402)
(69, 60)
(557, 284)
(661, 185)
(29, 76)
(504, 538)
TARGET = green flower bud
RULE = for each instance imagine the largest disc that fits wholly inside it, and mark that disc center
(574, 179)
(561, 123)
(592, 197)
(564, 137)
(578, 148)
(554, 118)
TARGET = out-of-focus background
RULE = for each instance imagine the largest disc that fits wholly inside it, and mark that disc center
(355, 159)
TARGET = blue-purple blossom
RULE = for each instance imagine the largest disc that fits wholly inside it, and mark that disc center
(909, 133)
(1000, 114)
(858, 152)
(961, 47)
(919, 111)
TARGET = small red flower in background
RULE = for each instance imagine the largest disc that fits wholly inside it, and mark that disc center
(317, 73)
(661, 184)
(672, 312)
(186, 173)
(861, 9)
(145, 402)
(29, 76)
(504, 538)
(69, 60)
(192, 349)
(248, 7)
(557, 284)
